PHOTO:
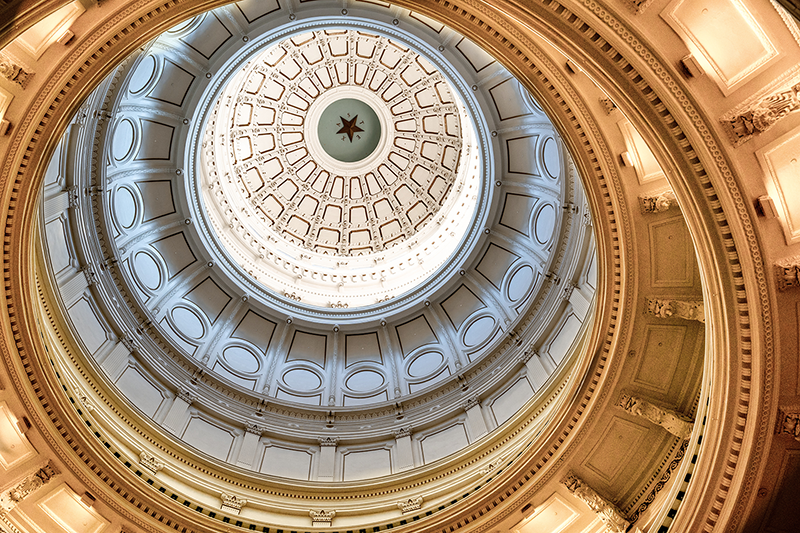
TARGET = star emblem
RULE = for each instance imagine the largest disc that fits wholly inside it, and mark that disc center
(349, 127)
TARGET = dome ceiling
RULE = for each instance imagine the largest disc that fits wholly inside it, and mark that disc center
(332, 168)
(235, 318)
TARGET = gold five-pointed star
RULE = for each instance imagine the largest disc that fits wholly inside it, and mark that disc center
(349, 127)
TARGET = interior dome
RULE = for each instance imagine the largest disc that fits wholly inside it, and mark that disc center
(339, 168)
(266, 311)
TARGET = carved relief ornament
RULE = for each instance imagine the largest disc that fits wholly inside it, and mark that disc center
(232, 503)
(411, 504)
(764, 114)
(606, 511)
(321, 517)
(688, 310)
(31, 483)
(672, 421)
(151, 462)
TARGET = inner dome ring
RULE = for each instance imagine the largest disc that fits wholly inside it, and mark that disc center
(382, 266)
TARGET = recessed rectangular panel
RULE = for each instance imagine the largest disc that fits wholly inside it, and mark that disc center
(286, 462)
(157, 198)
(644, 161)
(175, 251)
(255, 9)
(779, 160)
(517, 211)
(64, 507)
(510, 401)
(14, 446)
(730, 56)
(210, 298)
(508, 100)
(366, 464)
(172, 85)
(57, 231)
(208, 438)
(256, 329)
(209, 36)
(522, 155)
(565, 336)
(415, 333)
(140, 390)
(495, 263)
(88, 325)
(432, 24)
(615, 449)
(474, 54)
(360, 348)
(784, 516)
(443, 443)
(661, 351)
(369, 400)
(459, 305)
(156, 142)
(671, 254)
(552, 516)
(308, 347)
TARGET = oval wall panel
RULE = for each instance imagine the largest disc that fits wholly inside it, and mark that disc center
(188, 322)
(551, 158)
(125, 207)
(241, 359)
(146, 270)
(544, 223)
(478, 331)
(364, 380)
(143, 74)
(122, 144)
(520, 283)
(302, 380)
(424, 364)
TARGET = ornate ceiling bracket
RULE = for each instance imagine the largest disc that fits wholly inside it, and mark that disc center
(789, 422)
(672, 421)
(763, 115)
(688, 310)
(606, 511)
(657, 203)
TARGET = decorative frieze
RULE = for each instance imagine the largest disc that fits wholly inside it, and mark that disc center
(657, 203)
(150, 462)
(764, 114)
(402, 432)
(606, 511)
(411, 504)
(232, 503)
(608, 105)
(688, 310)
(788, 272)
(672, 421)
(471, 402)
(328, 441)
(11, 70)
(31, 483)
(254, 428)
(321, 518)
(186, 394)
(789, 422)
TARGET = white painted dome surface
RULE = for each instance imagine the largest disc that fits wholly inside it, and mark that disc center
(315, 228)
